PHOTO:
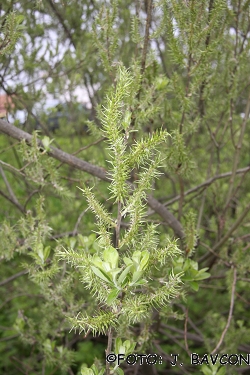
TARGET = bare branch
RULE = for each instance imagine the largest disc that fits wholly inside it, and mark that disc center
(108, 350)
(185, 332)
(207, 183)
(71, 160)
(219, 244)
(13, 277)
(11, 201)
(78, 221)
(146, 37)
(229, 315)
(61, 20)
(237, 154)
(11, 193)
(92, 169)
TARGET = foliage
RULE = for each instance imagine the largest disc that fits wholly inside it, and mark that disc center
(124, 228)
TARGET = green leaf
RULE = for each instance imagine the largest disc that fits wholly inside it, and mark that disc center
(222, 371)
(118, 344)
(119, 371)
(202, 275)
(39, 250)
(46, 142)
(194, 285)
(96, 260)
(111, 256)
(123, 275)
(136, 276)
(87, 371)
(206, 370)
(136, 257)
(113, 273)
(101, 274)
(112, 296)
(144, 260)
(46, 252)
(127, 261)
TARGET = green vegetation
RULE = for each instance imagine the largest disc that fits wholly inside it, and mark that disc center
(124, 185)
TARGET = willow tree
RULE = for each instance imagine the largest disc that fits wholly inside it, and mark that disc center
(112, 219)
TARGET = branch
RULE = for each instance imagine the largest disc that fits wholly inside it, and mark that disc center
(207, 183)
(166, 215)
(92, 169)
(13, 198)
(11, 201)
(60, 155)
(229, 315)
(237, 153)
(146, 37)
(108, 350)
(78, 221)
(13, 277)
(219, 244)
(61, 20)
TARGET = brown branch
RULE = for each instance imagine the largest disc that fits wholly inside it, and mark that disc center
(62, 235)
(11, 168)
(88, 146)
(207, 42)
(61, 20)
(78, 221)
(169, 358)
(108, 350)
(231, 230)
(94, 170)
(11, 201)
(146, 37)
(60, 155)
(207, 183)
(11, 193)
(213, 255)
(13, 277)
(185, 332)
(237, 154)
(30, 196)
(229, 315)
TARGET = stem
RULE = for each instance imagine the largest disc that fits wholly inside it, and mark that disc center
(146, 37)
(92, 169)
(108, 350)
(118, 225)
(237, 154)
(229, 315)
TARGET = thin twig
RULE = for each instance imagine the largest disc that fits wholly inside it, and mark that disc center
(118, 225)
(88, 146)
(230, 312)
(11, 168)
(9, 338)
(185, 332)
(206, 183)
(108, 350)
(13, 277)
(61, 20)
(10, 200)
(30, 196)
(146, 37)
(11, 193)
(237, 154)
(169, 358)
(78, 221)
(230, 231)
